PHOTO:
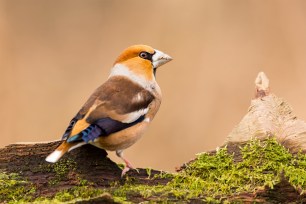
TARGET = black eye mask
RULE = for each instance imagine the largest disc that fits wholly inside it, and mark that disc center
(146, 55)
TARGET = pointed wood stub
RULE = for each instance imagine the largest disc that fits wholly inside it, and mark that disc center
(267, 116)
(261, 85)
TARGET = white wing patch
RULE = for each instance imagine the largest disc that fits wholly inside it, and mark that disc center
(137, 98)
(133, 116)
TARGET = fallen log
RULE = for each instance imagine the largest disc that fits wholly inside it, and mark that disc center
(262, 160)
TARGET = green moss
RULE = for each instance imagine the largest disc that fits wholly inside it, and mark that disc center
(218, 175)
(149, 170)
(296, 173)
(212, 177)
(61, 170)
(164, 175)
(80, 192)
(13, 188)
(121, 166)
(62, 167)
(73, 194)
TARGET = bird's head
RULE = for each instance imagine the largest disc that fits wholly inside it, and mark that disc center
(142, 60)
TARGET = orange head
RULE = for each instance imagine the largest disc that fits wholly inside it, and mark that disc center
(142, 60)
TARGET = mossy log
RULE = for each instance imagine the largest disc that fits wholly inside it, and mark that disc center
(249, 167)
(87, 164)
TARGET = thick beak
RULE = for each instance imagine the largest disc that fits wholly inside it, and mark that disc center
(159, 58)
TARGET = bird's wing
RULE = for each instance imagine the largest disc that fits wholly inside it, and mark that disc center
(118, 104)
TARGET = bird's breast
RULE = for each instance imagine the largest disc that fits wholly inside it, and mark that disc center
(122, 139)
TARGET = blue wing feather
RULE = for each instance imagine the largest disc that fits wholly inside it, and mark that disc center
(101, 128)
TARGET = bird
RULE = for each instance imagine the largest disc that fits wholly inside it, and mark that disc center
(119, 111)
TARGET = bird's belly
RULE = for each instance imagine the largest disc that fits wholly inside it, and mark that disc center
(122, 139)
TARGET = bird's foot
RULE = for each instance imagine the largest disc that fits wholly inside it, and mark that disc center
(127, 167)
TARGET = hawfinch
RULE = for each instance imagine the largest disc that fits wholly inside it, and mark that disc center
(119, 111)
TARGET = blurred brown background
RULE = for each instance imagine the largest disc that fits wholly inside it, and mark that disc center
(54, 53)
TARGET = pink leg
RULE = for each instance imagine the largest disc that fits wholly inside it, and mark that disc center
(128, 165)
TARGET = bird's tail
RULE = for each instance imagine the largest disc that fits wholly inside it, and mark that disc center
(61, 150)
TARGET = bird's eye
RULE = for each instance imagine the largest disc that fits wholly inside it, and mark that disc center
(144, 55)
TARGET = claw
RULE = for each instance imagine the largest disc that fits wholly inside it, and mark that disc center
(137, 170)
(126, 169)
